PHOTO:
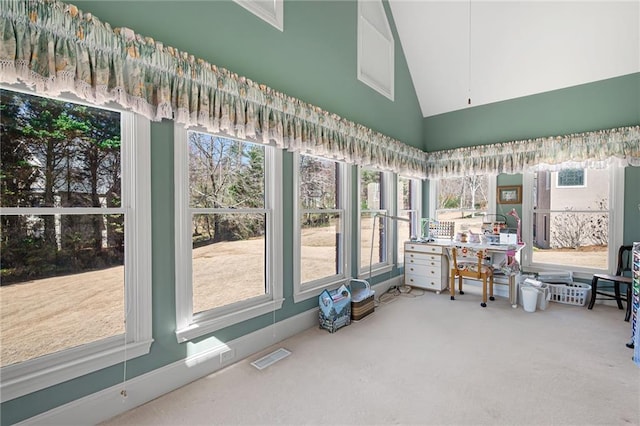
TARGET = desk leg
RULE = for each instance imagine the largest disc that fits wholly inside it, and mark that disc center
(513, 291)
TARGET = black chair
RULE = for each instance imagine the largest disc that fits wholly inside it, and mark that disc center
(622, 276)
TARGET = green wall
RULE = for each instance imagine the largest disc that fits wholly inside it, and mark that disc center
(604, 104)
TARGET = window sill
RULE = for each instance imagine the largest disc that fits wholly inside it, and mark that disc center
(204, 327)
(30, 376)
(310, 292)
(375, 271)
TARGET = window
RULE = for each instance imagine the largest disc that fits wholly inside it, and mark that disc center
(374, 201)
(576, 224)
(463, 200)
(571, 177)
(408, 205)
(227, 251)
(75, 192)
(322, 223)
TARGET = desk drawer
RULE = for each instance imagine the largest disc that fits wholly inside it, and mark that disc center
(422, 259)
(423, 248)
(423, 270)
(430, 283)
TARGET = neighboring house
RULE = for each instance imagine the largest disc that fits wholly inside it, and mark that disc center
(566, 198)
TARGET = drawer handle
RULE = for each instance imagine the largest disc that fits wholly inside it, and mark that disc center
(411, 280)
(411, 269)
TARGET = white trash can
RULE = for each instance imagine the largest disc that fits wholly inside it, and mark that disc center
(529, 299)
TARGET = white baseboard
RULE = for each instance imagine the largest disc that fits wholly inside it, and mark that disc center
(107, 403)
(383, 287)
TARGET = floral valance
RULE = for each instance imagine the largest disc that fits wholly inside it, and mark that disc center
(55, 47)
(619, 146)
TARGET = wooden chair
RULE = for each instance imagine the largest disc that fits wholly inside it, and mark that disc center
(468, 267)
(622, 276)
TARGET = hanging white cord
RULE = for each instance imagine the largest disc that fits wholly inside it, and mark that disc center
(373, 235)
(469, 57)
(123, 392)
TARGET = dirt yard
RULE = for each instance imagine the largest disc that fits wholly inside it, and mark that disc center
(44, 316)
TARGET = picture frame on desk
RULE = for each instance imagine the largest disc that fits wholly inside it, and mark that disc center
(509, 194)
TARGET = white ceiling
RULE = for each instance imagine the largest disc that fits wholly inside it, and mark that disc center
(491, 51)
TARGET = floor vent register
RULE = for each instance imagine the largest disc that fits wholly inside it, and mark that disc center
(270, 359)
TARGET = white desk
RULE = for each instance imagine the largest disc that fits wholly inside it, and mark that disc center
(502, 255)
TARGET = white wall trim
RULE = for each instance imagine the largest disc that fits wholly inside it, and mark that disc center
(375, 56)
(107, 403)
(270, 12)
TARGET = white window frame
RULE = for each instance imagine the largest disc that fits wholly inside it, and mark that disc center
(616, 225)
(29, 376)
(307, 290)
(375, 54)
(416, 207)
(388, 204)
(190, 326)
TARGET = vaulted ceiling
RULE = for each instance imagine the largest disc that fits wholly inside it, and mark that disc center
(490, 51)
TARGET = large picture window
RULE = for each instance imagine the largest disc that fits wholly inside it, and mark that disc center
(74, 194)
(322, 223)
(228, 258)
(573, 219)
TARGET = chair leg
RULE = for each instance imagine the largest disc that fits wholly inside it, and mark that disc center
(484, 292)
(616, 291)
(460, 284)
(491, 288)
(452, 285)
(594, 289)
(627, 315)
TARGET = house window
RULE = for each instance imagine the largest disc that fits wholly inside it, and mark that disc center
(321, 221)
(374, 202)
(408, 205)
(464, 201)
(75, 192)
(228, 256)
(571, 177)
(576, 225)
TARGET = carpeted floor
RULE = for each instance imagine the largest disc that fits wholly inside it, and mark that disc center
(423, 359)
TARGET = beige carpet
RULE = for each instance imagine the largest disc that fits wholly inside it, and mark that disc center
(427, 360)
